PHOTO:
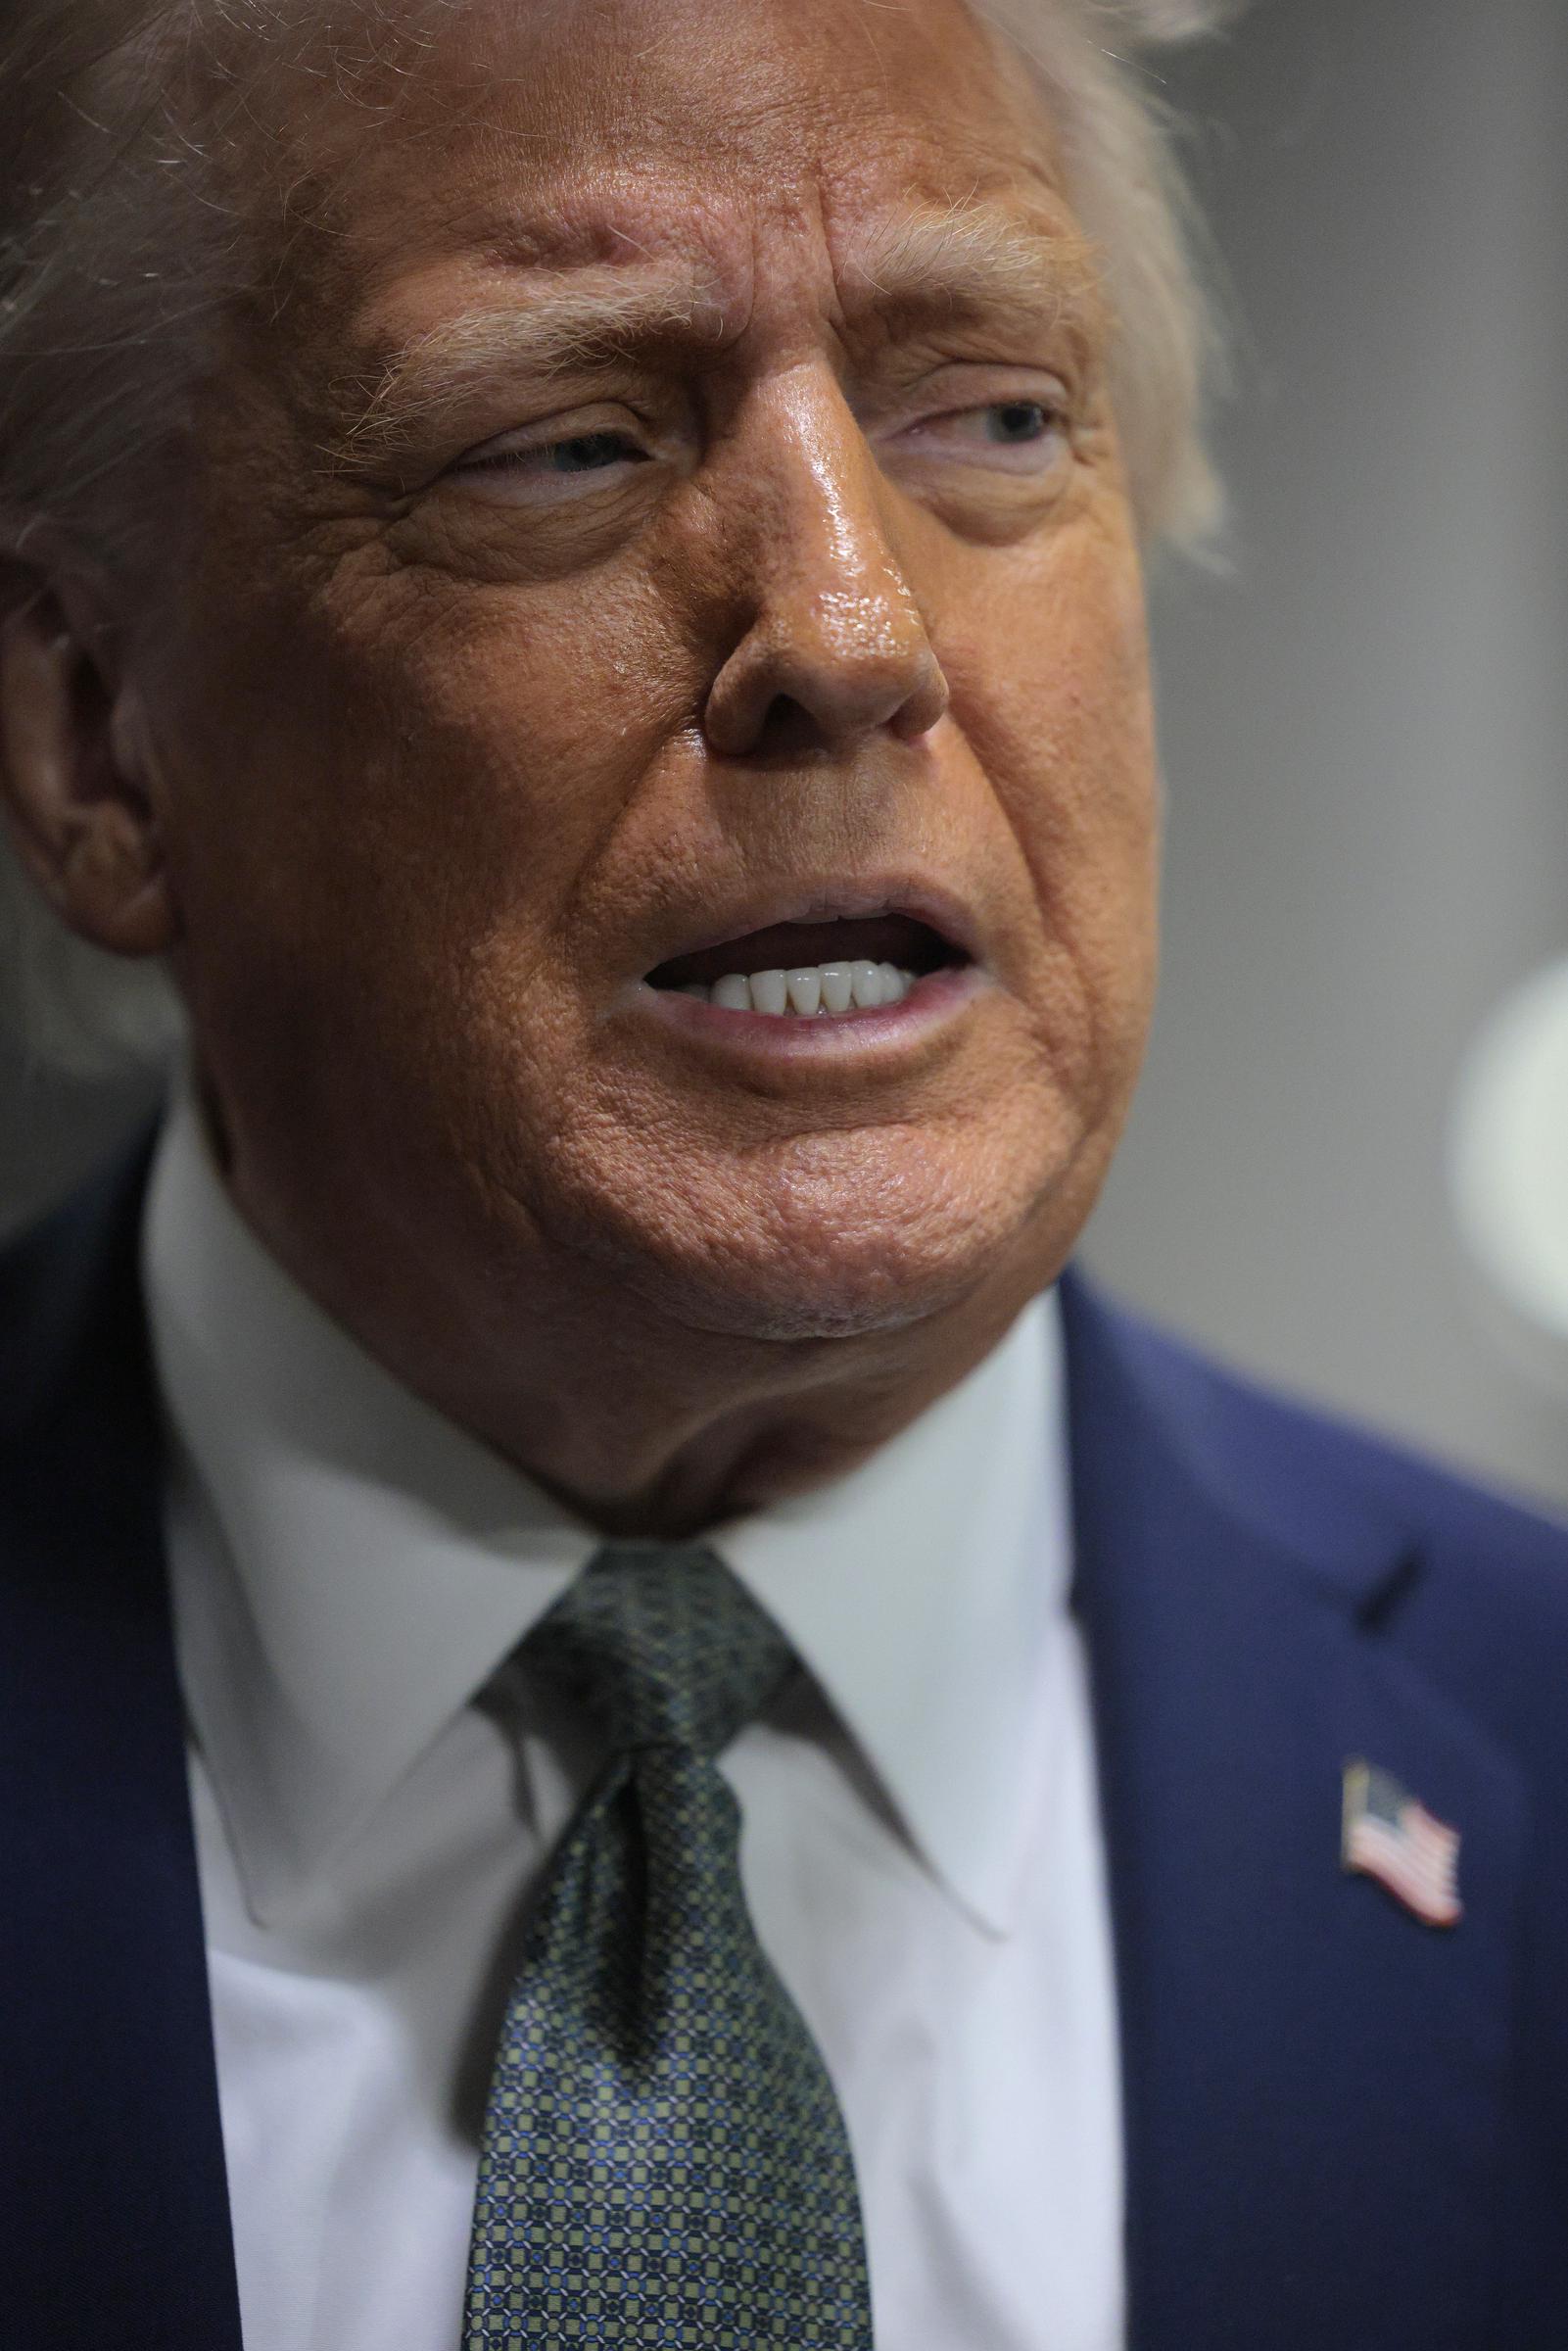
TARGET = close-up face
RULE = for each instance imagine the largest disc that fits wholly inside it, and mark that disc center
(675, 496)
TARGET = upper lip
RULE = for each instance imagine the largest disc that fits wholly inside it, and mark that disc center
(923, 902)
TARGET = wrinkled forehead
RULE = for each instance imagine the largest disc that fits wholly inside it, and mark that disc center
(565, 132)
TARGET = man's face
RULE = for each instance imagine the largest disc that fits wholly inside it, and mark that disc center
(525, 655)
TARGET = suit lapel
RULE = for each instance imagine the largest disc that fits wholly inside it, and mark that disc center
(111, 2170)
(1313, 2079)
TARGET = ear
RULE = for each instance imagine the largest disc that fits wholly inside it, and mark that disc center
(76, 776)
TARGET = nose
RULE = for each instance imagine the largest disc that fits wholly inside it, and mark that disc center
(835, 645)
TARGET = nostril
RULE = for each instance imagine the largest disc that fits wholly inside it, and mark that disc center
(753, 714)
(789, 728)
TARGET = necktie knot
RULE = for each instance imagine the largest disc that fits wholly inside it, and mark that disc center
(663, 1644)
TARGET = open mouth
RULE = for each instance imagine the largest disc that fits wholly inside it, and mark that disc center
(814, 971)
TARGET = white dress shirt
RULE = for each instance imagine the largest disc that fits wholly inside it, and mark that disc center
(375, 1790)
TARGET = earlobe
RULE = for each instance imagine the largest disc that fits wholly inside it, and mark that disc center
(73, 781)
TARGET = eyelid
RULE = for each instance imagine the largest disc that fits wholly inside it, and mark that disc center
(1056, 410)
(970, 386)
(574, 424)
(1056, 407)
(961, 387)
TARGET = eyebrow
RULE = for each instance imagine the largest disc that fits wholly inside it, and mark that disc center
(980, 256)
(962, 261)
(563, 322)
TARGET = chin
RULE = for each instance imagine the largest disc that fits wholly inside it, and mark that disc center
(814, 1250)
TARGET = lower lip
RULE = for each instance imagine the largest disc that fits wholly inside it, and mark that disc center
(934, 999)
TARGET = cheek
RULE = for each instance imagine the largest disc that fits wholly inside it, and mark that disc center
(1058, 693)
(1054, 695)
(408, 760)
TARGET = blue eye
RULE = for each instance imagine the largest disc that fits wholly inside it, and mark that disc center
(574, 455)
(587, 452)
(1025, 438)
(1016, 422)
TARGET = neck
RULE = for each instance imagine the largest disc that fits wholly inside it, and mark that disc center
(666, 1432)
(640, 1417)
(634, 1471)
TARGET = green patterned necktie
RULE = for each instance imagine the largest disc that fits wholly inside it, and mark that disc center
(664, 2160)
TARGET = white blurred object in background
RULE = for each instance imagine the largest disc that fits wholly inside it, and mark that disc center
(1508, 1168)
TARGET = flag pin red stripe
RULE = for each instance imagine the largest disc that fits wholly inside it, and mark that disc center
(1388, 1834)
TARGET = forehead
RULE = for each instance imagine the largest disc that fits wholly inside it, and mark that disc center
(716, 133)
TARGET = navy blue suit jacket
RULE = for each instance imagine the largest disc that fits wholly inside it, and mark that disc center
(1345, 2129)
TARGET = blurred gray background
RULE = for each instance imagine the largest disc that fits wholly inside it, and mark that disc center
(1365, 725)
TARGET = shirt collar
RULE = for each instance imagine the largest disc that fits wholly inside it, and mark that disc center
(928, 1591)
(351, 1567)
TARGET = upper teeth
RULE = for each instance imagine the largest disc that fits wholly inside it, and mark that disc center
(815, 988)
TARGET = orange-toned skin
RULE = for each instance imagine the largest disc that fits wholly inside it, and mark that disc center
(432, 764)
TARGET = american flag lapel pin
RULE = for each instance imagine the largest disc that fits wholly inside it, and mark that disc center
(1387, 1835)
